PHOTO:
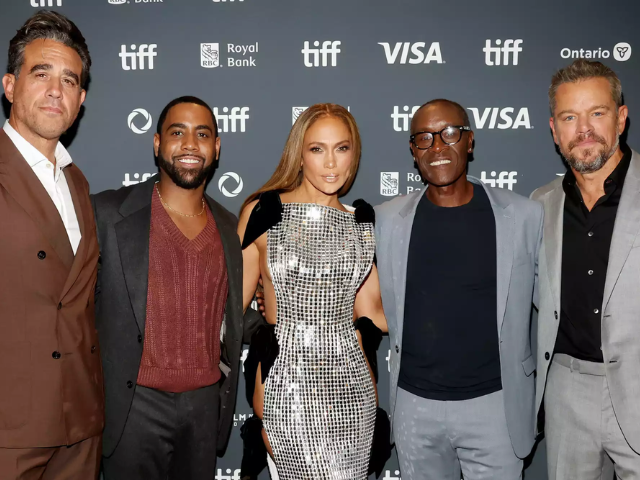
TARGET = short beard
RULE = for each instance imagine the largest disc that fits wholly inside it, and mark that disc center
(582, 166)
(182, 178)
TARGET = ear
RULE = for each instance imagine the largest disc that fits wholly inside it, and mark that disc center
(156, 144)
(623, 113)
(83, 95)
(9, 83)
(552, 125)
(470, 142)
(217, 148)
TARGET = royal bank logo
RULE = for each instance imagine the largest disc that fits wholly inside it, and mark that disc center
(321, 56)
(137, 178)
(146, 121)
(296, 112)
(230, 475)
(389, 184)
(621, 53)
(500, 180)
(140, 57)
(117, 2)
(209, 55)
(504, 53)
(413, 53)
(501, 118)
(232, 119)
(46, 3)
(402, 119)
(233, 181)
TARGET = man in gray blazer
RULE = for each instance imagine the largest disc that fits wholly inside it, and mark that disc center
(588, 284)
(169, 309)
(457, 268)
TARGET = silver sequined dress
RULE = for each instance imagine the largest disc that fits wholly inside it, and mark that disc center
(319, 402)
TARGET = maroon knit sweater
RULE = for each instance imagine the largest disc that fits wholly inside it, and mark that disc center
(185, 305)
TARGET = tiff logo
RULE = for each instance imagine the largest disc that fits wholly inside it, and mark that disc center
(401, 120)
(505, 179)
(128, 182)
(313, 56)
(387, 475)
(46, 3)
(136, 60)
(228, 121)
(235, 475)
(500, 55)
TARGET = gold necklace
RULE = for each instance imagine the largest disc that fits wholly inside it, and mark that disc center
(175, 211)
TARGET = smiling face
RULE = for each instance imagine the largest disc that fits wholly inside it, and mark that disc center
(46, 95)
(327, 155)
(586, 124)
(441, 164)
(187, 145)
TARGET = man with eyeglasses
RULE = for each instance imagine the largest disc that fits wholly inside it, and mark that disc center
(457, 266)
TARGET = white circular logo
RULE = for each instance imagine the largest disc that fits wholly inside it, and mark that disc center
(133, 115)
(236, 178)
(622, 52)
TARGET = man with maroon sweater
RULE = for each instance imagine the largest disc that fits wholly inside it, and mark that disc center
(169, 308)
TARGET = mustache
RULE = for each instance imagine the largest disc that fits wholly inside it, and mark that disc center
(583, 136)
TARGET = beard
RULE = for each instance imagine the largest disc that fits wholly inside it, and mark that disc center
(586, 165)
(183, 178)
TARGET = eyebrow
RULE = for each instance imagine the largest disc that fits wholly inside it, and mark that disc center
(182, 125)
(48, 66)
(597, 107)
(325, 144)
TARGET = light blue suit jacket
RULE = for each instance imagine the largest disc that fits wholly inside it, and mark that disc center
(519, 224)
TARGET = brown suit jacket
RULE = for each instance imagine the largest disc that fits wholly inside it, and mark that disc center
(50, 370)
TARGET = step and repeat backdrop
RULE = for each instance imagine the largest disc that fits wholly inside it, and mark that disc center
(260, 63)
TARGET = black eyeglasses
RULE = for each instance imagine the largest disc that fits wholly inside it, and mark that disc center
(449, 135)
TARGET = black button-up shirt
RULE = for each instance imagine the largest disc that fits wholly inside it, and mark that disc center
(585, 256)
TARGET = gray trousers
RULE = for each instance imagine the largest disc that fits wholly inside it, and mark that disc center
(169, 436)
(439, 440)
(584, 439)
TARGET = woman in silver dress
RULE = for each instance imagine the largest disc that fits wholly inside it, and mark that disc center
(314, 388)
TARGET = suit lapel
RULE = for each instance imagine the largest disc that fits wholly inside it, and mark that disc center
(132, 234)
(553, 226)
(232, 252)
(79, 205)
(17, 177)
(626, 227)
(403, 224)
(504, 215)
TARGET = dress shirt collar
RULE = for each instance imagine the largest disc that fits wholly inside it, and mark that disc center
(31, 154)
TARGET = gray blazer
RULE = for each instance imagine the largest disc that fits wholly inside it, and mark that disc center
(123, 219)
(621, 302)
(518, 235)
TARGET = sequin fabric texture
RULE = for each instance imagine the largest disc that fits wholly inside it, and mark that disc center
(319, 402)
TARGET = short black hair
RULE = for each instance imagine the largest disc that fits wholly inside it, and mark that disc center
(49, 25)
(456, 105)
(185, 99)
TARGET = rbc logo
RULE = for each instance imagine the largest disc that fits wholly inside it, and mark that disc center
(389, 183)
(313, 56)
(507, 179)
(210, 55)
(500, 55)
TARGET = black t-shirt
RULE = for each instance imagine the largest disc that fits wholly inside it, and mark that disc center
(586, 239)
(450, 339)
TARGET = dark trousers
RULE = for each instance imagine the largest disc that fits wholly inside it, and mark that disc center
(74, 462)
(167, 436)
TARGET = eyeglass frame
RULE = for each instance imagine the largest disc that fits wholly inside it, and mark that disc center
(462, 128)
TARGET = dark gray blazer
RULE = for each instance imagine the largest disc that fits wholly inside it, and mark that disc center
(123, 219)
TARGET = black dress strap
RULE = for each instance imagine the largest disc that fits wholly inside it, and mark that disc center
(364, 212)
(266, 214)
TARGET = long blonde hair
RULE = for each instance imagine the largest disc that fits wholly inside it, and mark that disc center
(288, 175)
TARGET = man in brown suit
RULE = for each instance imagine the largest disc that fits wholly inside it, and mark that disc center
(51, 408)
